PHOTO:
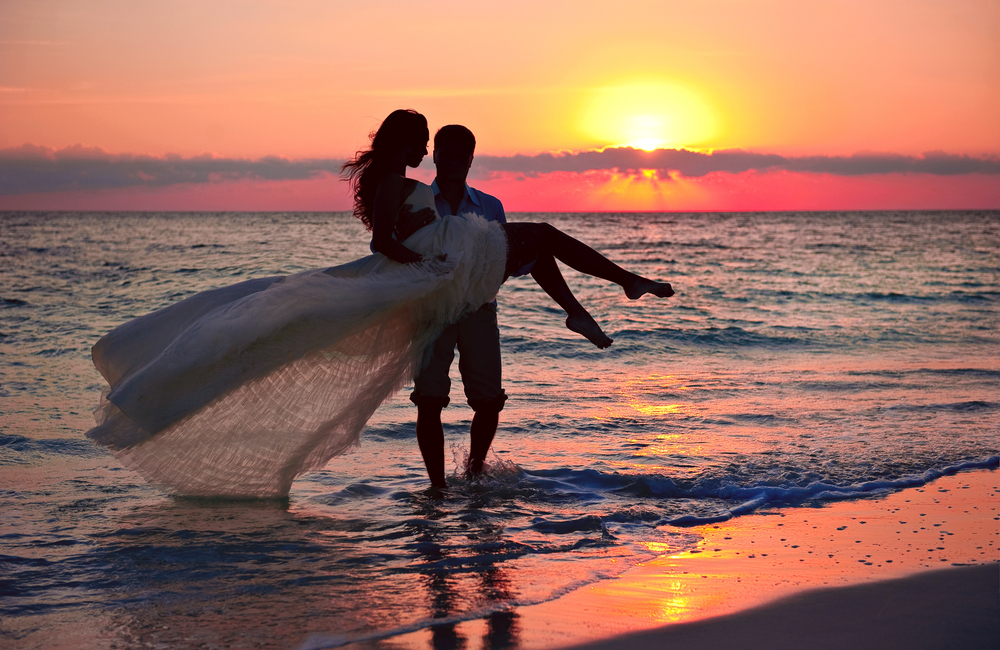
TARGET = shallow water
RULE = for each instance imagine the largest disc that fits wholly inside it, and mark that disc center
(806, 357)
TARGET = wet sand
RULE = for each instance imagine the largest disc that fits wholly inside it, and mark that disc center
(951, 608)
(914, 568)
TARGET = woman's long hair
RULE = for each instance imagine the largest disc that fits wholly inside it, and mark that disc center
(403, 127)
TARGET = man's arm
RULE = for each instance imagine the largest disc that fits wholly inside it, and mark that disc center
(492, 208)
(409, 222)
(501, 215)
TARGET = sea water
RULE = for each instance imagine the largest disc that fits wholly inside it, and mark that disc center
(806, 357)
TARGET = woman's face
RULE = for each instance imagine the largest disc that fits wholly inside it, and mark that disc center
(416, 152)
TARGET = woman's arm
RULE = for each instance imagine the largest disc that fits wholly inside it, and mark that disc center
(388, 199)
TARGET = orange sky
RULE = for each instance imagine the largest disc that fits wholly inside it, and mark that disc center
(307, 80)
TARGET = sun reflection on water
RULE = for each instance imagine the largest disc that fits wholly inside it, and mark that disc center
(638, 395)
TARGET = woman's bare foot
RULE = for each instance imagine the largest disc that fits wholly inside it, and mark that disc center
(643, 286)
(585, 325)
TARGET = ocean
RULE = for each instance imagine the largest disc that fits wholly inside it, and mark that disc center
(806, 358)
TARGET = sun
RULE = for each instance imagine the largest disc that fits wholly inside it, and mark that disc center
(648, 115)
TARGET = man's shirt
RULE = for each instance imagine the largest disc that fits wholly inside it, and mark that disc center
(485, 205)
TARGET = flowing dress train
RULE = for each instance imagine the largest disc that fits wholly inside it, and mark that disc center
(236, 391)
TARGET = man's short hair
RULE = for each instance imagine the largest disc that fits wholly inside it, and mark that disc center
(455, 136)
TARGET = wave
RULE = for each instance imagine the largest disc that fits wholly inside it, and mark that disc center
(634, 341)
(719, 337)
(862, 298)
(960, 407)
(753, 497)
(642, 341)
(731, 498)
(951, 296)
(18, 450)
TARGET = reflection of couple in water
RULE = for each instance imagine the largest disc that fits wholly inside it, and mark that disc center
(235, 391)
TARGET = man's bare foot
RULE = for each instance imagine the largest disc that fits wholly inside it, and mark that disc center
(474, 468)
(585, 325)
(436, 492)
(643, 286)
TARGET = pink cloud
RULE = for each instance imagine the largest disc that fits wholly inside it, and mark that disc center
(590, 191)
(748, 191)
(324, 193)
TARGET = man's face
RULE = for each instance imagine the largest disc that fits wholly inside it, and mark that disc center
(452, 163)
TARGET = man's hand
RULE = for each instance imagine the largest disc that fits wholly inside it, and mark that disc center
(409, 222)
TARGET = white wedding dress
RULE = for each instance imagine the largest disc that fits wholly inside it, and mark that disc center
(238, 390)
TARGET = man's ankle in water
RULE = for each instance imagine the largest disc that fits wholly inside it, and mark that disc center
(475, 466)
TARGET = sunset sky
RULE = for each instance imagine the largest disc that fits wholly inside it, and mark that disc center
(747, 104)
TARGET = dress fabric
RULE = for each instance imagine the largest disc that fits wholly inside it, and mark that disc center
(236, 391)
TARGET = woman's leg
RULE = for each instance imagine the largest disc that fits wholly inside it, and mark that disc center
(546, 273)
(540, 243)
(585, 259)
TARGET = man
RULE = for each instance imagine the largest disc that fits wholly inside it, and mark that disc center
(476, 336)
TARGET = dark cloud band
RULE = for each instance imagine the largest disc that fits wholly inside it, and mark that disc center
(695, 164)
(29, 169)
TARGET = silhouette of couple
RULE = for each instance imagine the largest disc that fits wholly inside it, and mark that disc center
(235, 391)
(382, 202)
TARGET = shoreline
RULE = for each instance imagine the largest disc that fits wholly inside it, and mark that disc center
(750, 573)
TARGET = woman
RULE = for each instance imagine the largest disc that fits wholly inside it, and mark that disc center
(236, 391)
